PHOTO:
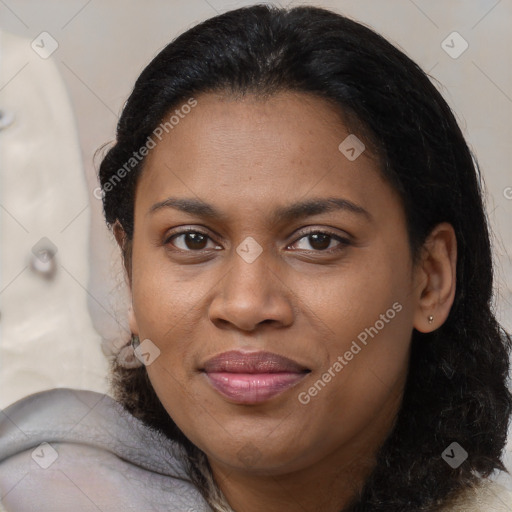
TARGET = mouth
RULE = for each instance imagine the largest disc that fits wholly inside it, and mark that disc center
(254, 377)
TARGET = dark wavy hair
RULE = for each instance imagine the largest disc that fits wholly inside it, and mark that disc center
(456, 389)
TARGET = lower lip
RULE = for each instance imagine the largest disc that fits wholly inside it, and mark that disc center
(253, 388)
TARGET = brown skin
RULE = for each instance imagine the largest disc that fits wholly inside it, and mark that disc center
(194, 300)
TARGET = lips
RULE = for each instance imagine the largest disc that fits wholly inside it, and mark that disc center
(252, 377)
(252, 362)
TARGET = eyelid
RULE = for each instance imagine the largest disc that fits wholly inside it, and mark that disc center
(324, 231)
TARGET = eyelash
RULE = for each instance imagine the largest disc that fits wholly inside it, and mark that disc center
(343, 242)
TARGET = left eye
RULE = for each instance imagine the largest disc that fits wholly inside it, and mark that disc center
(321, 241)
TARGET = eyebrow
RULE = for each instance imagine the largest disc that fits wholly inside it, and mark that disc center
(293, 211)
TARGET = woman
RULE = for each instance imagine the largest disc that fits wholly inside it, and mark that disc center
(309, 262)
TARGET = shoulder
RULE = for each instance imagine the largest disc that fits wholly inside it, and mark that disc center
(488, 496)
(68, 449)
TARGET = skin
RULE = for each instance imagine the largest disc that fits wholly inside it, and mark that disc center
(307, 300)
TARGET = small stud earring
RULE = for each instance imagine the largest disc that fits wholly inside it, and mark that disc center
(135, 341)
(430, 319)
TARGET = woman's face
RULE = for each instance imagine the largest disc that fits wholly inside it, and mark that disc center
(330, 286)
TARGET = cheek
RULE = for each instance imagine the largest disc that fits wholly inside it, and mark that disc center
(165, 300)
(354, 298)
(361, 384)
(369, 315)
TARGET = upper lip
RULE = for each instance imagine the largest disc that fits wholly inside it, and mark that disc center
(235, 361)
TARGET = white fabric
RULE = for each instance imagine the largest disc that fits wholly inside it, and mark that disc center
(42, 195)
(489, 497)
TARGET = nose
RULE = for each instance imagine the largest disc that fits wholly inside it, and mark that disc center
(252, 293)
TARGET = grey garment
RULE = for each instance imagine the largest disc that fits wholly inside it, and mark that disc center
(78, 451)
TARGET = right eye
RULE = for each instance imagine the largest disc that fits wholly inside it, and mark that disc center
(189, 240)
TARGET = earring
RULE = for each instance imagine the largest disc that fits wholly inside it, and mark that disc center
(430, 319)
(135, 341)
(126, 357)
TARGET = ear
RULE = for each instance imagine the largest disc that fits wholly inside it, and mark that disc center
(120, 236)
(119, 233)
(132, 321)
(435, 278)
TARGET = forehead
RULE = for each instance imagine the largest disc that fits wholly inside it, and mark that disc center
(249, 148)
